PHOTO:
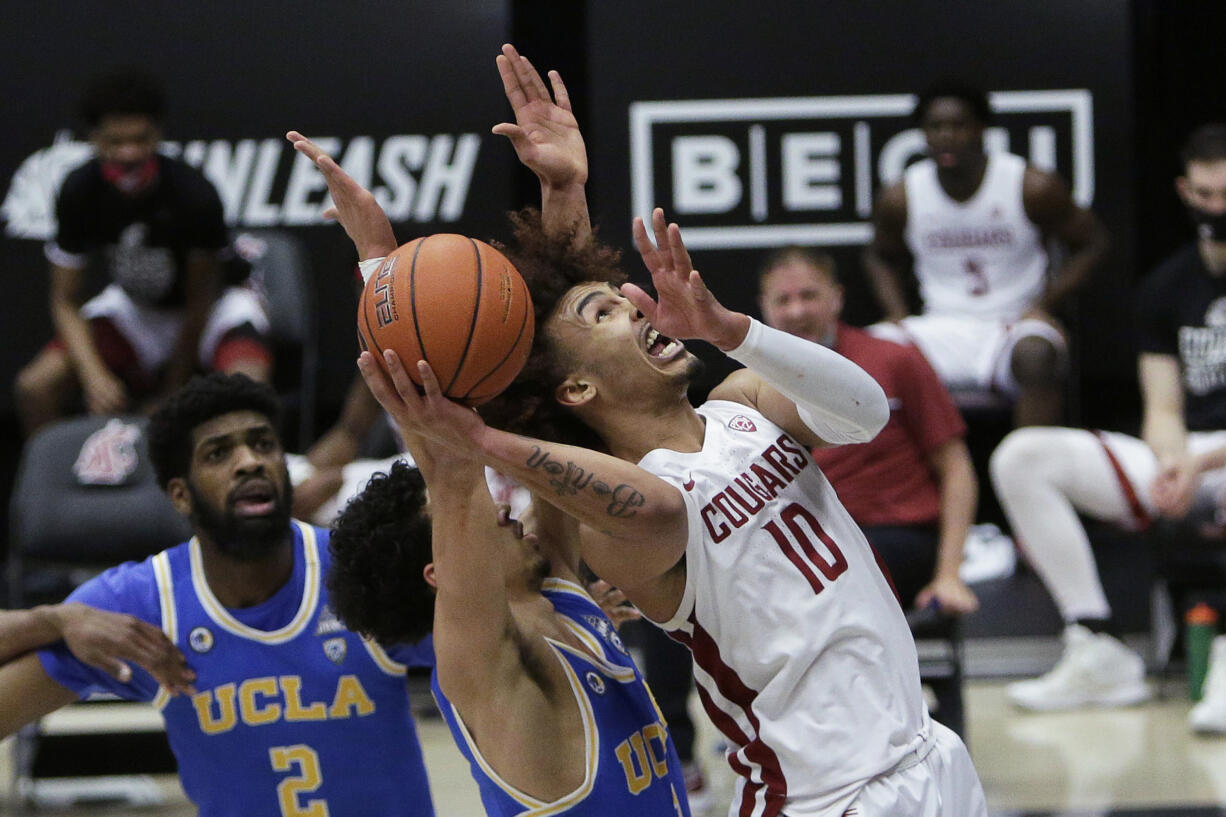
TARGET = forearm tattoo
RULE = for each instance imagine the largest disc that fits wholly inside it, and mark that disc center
(569, 479)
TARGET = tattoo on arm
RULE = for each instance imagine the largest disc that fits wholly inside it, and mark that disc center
(569, 479)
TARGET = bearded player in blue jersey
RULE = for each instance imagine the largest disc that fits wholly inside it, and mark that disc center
(291, 714)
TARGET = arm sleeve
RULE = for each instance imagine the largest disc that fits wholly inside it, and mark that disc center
(836, 399)
(129, 588)
(72, 242)
(420, 654)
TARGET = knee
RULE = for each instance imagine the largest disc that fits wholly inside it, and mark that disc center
(1023, 454)
(32, 385)
(1036, 362)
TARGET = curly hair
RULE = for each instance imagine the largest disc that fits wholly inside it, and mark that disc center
(551, 266)
(202, 399)
(128, 90)
(976, 99)
(380, 546)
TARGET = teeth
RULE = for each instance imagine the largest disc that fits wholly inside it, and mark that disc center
(651, 336)
(669, 349)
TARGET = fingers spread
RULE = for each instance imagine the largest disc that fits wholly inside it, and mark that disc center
(560, 95)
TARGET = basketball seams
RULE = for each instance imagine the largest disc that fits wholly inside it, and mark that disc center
(421, 342)
(472, 324)
(514, 348)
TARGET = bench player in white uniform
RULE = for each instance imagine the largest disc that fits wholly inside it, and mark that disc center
(974, 227)
(806, 662)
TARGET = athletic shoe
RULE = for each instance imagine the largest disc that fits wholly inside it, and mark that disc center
(987, 554)
(1209, 716)
(698, 791)
(1095, 670)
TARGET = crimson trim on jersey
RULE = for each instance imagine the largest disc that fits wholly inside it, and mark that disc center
(1134, 502)
(735, 691)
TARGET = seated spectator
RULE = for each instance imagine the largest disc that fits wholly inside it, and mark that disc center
(1045, 477)
(974, 227)
(912, 489)
(155, 224)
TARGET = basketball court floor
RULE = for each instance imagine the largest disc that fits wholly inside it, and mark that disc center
(1140, 762)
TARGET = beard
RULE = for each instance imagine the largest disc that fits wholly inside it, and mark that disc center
(243, 538)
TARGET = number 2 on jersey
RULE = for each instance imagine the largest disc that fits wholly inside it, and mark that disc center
(800, 549)
(308, 779)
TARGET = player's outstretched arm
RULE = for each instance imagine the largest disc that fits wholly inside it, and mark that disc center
(547, 141)
(353, 206)
(27, 693)
(103, 639)
(816, 394)
(639, 519)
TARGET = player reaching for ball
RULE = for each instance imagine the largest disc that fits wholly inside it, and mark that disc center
(714, 521)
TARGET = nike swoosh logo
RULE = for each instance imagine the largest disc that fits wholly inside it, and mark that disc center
(689, 484)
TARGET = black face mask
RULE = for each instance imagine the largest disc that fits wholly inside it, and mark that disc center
(1209, 226)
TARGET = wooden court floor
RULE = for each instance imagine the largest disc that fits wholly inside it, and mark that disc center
(1141, 762)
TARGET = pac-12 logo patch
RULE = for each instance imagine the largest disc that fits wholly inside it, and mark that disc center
(335, 649)
(741, 423)
(594, 682)
(200, 639)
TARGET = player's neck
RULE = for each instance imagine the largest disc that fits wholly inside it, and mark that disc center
(1213, 254)
(239, 583)
(631, 436)
(962, 182)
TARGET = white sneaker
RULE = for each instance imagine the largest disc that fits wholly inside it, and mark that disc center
(987, 554)
(1209, 716)
(1095, 670)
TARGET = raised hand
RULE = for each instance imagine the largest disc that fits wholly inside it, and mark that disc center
(435, 428)
(353, 206)
(685, 307)
(545, 134)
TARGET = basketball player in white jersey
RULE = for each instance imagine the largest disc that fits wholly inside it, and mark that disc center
(714, 521)
(973, 226)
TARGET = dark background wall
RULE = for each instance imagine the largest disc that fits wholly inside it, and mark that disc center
(380, 70)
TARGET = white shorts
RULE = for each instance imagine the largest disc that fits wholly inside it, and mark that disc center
(152, 332)
(969, 353)
(1137, 467)
(938, 780)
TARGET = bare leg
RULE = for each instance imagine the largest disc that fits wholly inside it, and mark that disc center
(42, 387)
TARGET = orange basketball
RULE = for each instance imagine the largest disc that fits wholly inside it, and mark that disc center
(456, 303)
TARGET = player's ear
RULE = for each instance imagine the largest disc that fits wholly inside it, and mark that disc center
(1181, 187)
(574, 391)
(180, 497)
(427, 573)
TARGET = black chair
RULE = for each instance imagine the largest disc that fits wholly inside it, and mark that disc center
(85, 498)
(280, 269)
(1188, 568)
(938, 640)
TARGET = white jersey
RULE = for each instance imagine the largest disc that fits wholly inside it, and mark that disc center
(983, 257)
(802, 655)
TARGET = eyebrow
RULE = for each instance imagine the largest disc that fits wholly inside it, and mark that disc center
(263, 428)
(583, 302)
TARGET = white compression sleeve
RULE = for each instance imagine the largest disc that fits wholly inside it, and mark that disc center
(368, 267)
(836, 399)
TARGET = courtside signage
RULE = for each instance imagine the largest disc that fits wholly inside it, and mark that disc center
(747, 173)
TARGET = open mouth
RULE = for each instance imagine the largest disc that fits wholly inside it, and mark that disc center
(661, 347)
(254, 498)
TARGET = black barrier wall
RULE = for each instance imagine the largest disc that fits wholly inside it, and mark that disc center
(777, 126)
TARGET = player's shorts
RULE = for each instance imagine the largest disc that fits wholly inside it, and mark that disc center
(936, 780)
(151, 332)
(1136, 466)
(967, 352)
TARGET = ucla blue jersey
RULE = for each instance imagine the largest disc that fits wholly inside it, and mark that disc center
(631, 764)
(294, 716)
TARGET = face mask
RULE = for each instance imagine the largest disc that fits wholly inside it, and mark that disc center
(130, 179)
(1209, 226)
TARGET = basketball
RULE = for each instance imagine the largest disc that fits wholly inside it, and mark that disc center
(456, 303)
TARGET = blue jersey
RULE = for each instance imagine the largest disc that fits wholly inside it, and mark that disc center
(293, 714)
(631, 764)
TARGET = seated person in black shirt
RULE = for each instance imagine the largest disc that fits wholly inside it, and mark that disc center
(155, 225)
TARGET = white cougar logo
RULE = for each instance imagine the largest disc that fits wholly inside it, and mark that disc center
(29, 207)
